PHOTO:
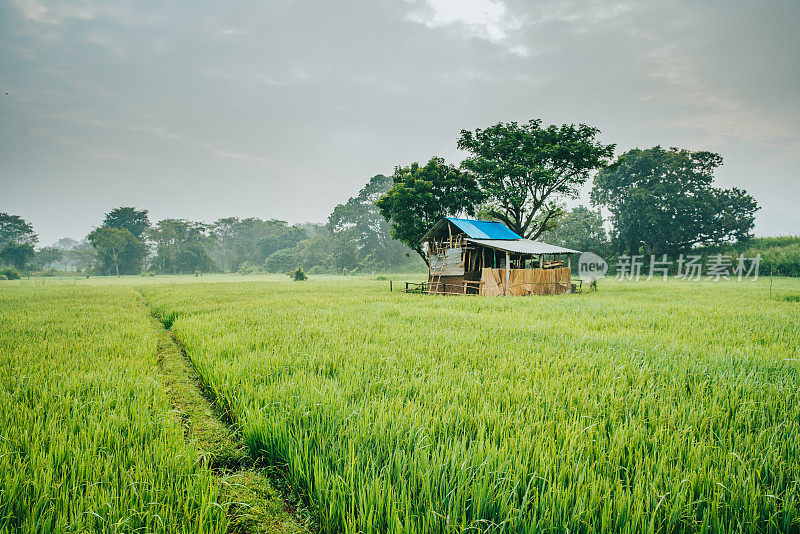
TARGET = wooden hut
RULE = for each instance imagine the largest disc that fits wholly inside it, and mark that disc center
(486, 258)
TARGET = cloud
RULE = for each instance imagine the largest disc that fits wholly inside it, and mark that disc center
(486, 19)
(274, 95)
(710, 109)
(156, 131)
(209, 147)
(91, 150)
(514, 24)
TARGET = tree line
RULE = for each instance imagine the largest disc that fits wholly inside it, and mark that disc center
(658, 201)
(354, 239)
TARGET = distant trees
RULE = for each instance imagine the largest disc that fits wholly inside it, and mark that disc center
(181, 246)
(580, 229)
(663, 201)
(131, 260)
(251, 240)
(81, 255)
(523, 170)
(361, 236)
(422, 195)
(16, 254)
(111, 244)
(17, 239)
(15, 229)
(75, 255)
(45, 257)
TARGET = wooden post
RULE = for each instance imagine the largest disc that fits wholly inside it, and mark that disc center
(508, 273)
(771, 262)
(390, 286)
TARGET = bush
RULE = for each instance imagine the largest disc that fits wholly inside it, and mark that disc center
(317, 269)
(3, 277)
(298, 275)
(249, 268)
(280, 261)
(10, 273)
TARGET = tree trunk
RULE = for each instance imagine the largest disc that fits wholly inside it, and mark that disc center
(116, 266)
(423, 256)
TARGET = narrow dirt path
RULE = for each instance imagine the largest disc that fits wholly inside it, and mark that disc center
(254, 505)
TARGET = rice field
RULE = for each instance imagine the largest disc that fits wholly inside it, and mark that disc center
(87, 440)
(644, 407)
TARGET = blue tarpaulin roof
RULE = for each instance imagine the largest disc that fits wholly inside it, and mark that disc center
(484, 229)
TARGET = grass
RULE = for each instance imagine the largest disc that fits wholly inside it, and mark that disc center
(248, 494)
(656, 406)
(652, 406)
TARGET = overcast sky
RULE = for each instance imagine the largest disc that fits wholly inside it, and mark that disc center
(283, 109)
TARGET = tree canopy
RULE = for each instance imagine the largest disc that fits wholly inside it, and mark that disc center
(16, 254)
(181, 246)
(131, 260)
(17, 239)
(663, 201)
(580, 229)
(15, 229)
(111, 243)
(360, 234)
(524, 169)
(422, 195)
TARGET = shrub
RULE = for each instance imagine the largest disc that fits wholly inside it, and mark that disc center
(10, 273)
(3, 277)
(249, 268)
(298, 275)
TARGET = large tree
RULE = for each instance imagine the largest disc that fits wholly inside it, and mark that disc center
(422, 195)
(16, 254)
(361, 235)
(135, 221)
(111, 244)
(664, 201)
(525, 169)
(15, 229)
(181, 246)
(17, 239)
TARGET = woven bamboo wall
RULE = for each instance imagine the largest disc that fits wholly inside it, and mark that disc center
(526, 281)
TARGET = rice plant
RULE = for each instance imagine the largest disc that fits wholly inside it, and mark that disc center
(657, 407)
(87, 438)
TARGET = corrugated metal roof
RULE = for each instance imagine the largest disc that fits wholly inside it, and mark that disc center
(484, 229)
(523, 246)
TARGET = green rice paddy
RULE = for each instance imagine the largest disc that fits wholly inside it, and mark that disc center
(644, 407)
